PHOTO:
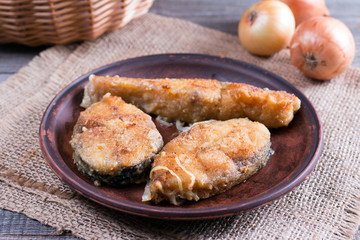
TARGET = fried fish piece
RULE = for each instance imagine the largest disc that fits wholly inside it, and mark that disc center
(208, 159)
(193, 100)
(115, 142)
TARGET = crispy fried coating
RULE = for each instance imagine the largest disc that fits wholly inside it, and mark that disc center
(193, 100)
(114, 142)
(208, 159)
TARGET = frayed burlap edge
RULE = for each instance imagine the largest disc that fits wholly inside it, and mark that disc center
(351, 216)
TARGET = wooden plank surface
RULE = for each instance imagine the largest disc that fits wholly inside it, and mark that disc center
(221, 15)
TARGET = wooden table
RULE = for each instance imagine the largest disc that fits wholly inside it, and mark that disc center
(222, 15)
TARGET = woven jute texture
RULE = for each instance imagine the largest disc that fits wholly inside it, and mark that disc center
(325, 206)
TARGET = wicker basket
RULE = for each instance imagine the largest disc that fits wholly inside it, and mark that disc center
(43, 22)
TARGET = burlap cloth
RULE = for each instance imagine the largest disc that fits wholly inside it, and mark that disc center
(325, 206)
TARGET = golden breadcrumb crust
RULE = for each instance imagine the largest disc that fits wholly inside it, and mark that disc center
(193, 100)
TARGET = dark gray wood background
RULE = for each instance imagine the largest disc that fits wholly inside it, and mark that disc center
(222, 15)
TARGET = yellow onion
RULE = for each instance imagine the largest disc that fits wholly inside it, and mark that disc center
(305, 9)
(266, 27)
(322, 48)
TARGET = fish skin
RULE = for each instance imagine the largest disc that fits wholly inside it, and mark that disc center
(208, 159)
(115, 142)
(193, 100)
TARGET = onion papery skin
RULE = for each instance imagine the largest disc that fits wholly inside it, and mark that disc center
(266, 28)
(306, 9)
(322, 48)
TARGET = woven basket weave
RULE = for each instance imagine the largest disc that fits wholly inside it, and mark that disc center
(43, 22)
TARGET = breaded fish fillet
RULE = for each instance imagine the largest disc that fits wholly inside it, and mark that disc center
(114, 142)
(208, 159)
(193, 100)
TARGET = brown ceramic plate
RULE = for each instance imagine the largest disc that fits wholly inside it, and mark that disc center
(297, 147)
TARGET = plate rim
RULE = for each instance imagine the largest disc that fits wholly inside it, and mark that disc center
(152, 211)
